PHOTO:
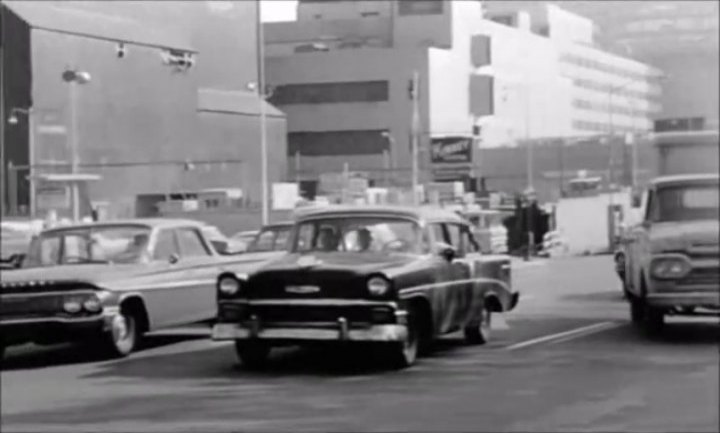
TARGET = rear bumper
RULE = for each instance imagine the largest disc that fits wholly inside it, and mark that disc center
(332, 332)
(684, 299)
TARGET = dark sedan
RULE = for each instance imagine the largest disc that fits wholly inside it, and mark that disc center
(393, 277)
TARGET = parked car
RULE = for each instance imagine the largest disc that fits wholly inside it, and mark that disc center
(392, 276)
(111, 282)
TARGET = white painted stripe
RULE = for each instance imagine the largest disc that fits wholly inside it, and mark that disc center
(590, 332)
(597, 326)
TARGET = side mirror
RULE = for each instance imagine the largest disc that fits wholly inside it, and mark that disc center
(445, 251)
(173, 259)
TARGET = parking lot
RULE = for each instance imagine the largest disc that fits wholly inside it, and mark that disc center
(566, 360)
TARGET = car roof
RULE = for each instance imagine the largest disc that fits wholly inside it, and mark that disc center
(423, 213)
(277, 225)
(681, 178)
(153, 223)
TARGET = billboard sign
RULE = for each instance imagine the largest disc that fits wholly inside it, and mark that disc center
(451, 150)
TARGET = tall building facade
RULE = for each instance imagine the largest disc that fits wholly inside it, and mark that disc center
(680, 38)
(491, 74)
(168, 108)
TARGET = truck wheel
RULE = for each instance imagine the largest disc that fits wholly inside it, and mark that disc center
(253, 355)
(123, 336)
(478, 331)
(403, 354)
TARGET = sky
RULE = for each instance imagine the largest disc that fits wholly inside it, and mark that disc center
(278, 10)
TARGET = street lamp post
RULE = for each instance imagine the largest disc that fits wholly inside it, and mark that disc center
(13, 120)
(390, 154)
(75, 78)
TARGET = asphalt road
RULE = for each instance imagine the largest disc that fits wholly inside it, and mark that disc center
(565, 360)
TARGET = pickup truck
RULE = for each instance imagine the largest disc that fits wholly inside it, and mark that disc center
(671, 258)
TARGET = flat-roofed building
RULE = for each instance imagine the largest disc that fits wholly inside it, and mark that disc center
(342, 72)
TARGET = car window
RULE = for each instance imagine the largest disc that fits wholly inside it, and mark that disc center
(438, 233)
(264, 241)
(191, 244)
(281, 240)
(454, 234)
(165, 246)
(468, 242)
(75, 248)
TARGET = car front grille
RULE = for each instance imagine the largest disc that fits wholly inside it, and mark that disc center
(702, 276)
(18, 306)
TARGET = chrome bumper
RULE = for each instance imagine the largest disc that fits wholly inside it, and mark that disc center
(684, 299)
(379, 333)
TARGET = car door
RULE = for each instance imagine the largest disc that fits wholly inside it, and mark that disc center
(460, 268)
(199, 269)
(157, 285)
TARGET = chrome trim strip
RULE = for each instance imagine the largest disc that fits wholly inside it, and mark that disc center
(172, 285)
(312, 302)
(41, 320)
(423, 287)
(63, 293)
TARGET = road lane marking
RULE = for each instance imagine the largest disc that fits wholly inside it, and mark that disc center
(590, 332)
(585, 330)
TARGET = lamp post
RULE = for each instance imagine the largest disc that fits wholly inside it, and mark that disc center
(13, 120)
(75, 78)
(263, 95)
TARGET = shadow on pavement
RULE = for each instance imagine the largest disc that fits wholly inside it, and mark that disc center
(32, 356)
(221, 363)
(676, 333)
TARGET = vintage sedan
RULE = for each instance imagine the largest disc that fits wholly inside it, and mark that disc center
(393, 277)
(110, 282)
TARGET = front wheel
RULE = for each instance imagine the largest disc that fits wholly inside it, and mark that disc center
(654, 320)
(478, 331)
(404, 353)
(123, 336)
(253, 355)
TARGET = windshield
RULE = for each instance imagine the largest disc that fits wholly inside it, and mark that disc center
(110, 244)
(358, 234)
(686, 203)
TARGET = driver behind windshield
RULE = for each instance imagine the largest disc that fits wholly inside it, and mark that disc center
(364, 240)
(135, 249)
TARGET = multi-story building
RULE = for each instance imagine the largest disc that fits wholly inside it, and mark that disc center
(167, 110)
(496, 71)
(679, 37)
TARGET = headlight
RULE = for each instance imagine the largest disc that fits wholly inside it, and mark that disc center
(669, 268)
(72, 306)
(378, 286)
(92, 305)
(229, 285)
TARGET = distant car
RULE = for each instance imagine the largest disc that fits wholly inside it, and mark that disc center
(271, 238)
(15, 240)
(393, 277)
(489, 230)
(221, 243)
(110, 282)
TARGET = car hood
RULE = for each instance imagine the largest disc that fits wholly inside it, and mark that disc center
(94, 274)
(358, 262)
(679, 236)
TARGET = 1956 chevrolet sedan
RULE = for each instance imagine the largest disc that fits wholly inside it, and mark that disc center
(108, 283)
(393, 277)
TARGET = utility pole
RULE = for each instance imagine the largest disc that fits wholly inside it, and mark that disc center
(263, 118)
(414, 90)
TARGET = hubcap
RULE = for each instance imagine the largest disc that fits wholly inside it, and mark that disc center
(120, 328)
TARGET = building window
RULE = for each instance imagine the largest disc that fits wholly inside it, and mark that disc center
(506, 20)
(370, 14)
(337, 143)
(329, 93)
(420, 7)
